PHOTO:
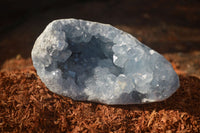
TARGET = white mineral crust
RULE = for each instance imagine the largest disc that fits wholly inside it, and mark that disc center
(97, 62)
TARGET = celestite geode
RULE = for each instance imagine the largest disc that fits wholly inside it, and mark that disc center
(97, 62)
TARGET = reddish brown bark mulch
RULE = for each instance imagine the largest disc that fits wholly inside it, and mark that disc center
(27, 105)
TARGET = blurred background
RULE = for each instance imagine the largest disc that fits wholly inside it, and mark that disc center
(168, 26)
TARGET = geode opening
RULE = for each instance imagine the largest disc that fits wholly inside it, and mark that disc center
(92, 61)
(85, 57)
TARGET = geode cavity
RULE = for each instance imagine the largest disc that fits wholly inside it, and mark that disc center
(97, 62)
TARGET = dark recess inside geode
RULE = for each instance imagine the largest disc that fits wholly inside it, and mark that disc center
(85, 58)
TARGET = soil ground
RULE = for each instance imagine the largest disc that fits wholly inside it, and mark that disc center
(170, 27)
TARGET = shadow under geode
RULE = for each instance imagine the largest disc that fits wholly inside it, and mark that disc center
(185, 99)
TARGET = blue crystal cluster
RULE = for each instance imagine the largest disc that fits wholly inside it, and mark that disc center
(97, 62)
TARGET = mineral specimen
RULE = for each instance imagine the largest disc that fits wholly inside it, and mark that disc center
(97, 62)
